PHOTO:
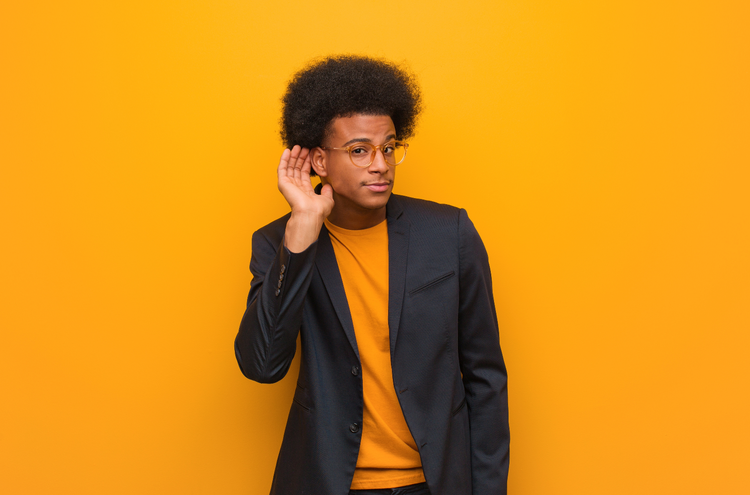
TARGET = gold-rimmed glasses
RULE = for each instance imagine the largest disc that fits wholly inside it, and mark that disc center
(363, 154)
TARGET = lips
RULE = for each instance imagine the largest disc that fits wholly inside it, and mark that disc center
(378, 186)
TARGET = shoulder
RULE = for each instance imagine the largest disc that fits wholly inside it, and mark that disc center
(421, 211)
(431, 218)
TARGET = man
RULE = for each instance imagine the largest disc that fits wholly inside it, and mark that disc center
(402, 385)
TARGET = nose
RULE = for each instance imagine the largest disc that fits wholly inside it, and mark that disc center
(378, 164)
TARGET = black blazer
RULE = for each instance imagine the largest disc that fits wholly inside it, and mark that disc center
(448, 370)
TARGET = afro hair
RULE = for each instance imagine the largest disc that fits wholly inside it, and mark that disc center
(341, 86)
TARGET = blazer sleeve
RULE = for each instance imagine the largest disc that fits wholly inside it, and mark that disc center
(267, 338)
(482, 366)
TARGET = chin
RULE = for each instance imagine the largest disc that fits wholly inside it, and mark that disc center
(378, 202)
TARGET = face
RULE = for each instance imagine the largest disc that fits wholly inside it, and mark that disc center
(360, 194)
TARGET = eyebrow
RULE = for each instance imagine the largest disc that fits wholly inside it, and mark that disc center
(366, 140)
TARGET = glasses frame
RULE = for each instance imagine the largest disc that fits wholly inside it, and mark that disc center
(374, 152)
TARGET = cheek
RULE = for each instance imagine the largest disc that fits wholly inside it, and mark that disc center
(344, 177)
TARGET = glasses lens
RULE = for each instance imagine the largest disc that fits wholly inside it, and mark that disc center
(361, 154)
(394, 152)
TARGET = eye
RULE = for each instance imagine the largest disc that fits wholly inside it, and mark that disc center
(389, 148)
(359, 149)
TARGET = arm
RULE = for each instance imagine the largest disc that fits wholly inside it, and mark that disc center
(266, 341)
(482, 366)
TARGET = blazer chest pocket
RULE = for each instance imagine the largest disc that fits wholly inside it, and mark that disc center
(432, 283)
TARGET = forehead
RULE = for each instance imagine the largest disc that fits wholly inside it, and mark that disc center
(374, 128)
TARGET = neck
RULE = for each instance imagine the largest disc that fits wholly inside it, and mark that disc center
(355, 219)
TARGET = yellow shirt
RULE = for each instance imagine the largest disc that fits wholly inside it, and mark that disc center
(388, 455)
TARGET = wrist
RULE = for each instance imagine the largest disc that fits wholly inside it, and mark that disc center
(302, 230)
(304, 217)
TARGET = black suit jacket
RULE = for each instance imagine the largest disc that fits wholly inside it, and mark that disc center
(448, 370)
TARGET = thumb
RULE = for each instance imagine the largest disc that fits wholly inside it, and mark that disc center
(327, 191)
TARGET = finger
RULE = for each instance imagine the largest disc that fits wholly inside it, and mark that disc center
(283, 163)
(306, 183)
(303, 158)
(307, 166)
(293, 156)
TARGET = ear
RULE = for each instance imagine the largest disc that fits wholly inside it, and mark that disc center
(318, 161)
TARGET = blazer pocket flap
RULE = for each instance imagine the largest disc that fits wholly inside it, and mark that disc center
(432, 283)
(301, 398)
(461, 405)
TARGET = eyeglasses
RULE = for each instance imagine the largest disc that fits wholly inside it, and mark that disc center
(363, 154)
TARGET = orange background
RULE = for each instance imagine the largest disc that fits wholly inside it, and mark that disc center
(601, 148)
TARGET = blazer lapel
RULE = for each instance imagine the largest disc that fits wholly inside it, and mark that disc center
(398, 248)
(329, 272)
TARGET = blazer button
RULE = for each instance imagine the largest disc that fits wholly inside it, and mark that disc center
(278, 291)
(354, 427)
(278, 286)
(355, 370)
(283, 268)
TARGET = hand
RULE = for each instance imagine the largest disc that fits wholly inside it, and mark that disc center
(308, 209)
(295, 185)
